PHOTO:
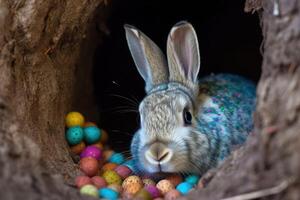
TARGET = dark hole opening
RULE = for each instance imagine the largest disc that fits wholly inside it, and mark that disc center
(229, 41)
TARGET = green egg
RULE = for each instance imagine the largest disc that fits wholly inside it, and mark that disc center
(74, 135)
(89, 190)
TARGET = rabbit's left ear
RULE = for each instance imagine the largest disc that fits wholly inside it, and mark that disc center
(183, 53)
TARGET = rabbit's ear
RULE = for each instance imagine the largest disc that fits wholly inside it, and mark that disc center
(148, 58)
(183, 53)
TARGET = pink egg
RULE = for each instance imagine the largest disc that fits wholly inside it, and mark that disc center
(153, 190)
(91, 151)
(123, 171)
(89, 166)
(99, 182)
(172, 195)
(82, 180)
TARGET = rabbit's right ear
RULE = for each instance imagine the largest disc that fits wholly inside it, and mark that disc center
(147, 56)
(183, 53)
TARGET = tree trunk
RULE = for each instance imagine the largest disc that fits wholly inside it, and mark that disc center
(46, 63)
(271, 158)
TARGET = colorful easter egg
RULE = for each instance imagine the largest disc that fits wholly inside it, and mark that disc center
(74, 119)
(89, 166)
(89, 190)
(111, 177)
(74, 135)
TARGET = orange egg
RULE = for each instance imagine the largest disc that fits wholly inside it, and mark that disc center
(98, 145)
(175, 179)
(104, 136)
(107, 154)
(87, 124)
(109, 166)
(78, 148)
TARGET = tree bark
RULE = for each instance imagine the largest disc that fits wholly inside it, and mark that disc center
(46, 53)
(269, 165)
(46, 62)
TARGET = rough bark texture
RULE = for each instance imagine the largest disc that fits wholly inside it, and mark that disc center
(45, 63)
(271, 157)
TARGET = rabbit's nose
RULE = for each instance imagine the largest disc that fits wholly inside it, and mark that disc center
(158, 154)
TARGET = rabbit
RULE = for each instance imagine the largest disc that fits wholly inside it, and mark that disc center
(187, 125)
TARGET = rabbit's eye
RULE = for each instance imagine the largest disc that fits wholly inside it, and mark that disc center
(187, 116)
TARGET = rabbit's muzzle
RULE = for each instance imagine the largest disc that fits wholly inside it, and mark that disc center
(158, 155)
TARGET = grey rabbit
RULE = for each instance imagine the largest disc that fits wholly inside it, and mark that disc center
(188, 125)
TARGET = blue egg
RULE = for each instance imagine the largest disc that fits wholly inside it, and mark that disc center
(130, 164)
(74, 135)
(184, 187)
(117, 158)
(108, 193)
(192, 179)
(92, 134)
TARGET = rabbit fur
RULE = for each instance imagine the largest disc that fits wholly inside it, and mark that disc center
(188, 125)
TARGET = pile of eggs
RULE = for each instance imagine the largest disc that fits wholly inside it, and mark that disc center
(108, 175)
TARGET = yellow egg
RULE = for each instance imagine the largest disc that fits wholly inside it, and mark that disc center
(164, 186)
(111, 177)
(148, 181)
(74, 119)
(132, 184)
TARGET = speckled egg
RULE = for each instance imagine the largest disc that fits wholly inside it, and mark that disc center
(132, 184)
(89, 166)
(184, 187)
(123, 171)
(192, 179)
(87, 124)
(175, 179)
(117, 158)
(99, 182)
(172, 195)
(148, 181)
(91, 151)
(108, 193)
(115, 187)
(153, 190)
(74, 119)
(164, 186)
(89, 190)
(78, 148)
(109, 166)
(82, 180)
(107, 154)
(104, 136)
(142, 194)
(111, 177)
(92, 134)
(74, 135)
